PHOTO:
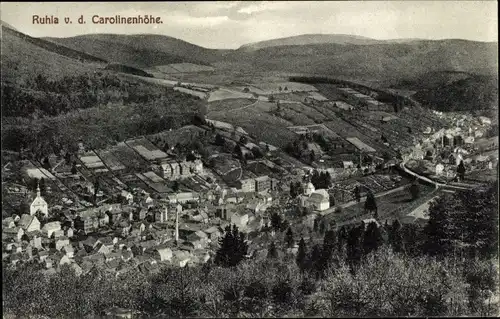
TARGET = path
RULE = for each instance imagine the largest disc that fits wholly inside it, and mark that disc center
(428, 180)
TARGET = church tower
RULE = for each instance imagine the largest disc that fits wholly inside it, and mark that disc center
(39, 204)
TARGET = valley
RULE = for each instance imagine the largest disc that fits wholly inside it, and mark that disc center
(139, 155)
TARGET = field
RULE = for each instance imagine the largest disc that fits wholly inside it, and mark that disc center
(273, 87)
(146, 149)
(184, 68)
(223, 94)
(391, 206)
(129, 157)
(183, 135)
(199, 94)
(228, 105)
(111, 161)
(263, 126)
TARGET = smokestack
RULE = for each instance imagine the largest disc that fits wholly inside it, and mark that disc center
(178, 210)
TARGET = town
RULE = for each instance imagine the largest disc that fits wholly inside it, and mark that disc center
(151, 200)
(249, 159)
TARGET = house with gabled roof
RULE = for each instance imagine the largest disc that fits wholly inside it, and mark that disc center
(8, 222)
(49, 228)
(16, 233)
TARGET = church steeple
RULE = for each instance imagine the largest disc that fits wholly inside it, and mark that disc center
(38, 189)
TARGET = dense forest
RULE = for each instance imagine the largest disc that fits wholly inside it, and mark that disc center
(447, 268)
(43, 97)
(97, 109)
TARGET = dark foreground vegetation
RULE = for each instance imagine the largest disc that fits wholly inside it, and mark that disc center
(447, 268)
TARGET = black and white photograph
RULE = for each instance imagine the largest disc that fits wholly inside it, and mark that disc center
(249, 159)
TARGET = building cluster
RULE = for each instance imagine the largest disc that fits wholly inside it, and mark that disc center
(173, 170)
(137, 231)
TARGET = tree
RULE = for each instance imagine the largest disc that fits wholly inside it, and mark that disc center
(67, 158)
(415, 190)
(461, 170)
(370, 203)
(219, 140)
(175, 186)
(238, 152)
(302, 255)
(289, 238)
(312, 156)
(357, 193)
(396, 237)
(46, 163)
(190, 157)
(354, 245)
(332, 200)
(272, 253)
(314, 261)
(257, 153)
(74, 171)
(372, 238)
(243, 140)
(293, 190)
(276, 221)
(232, 248)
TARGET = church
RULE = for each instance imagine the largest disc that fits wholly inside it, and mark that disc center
(317, 199)
(39, 204)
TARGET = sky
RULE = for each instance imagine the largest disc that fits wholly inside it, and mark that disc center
(230, 24)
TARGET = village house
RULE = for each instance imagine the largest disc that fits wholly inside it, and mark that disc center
(61, 242)
(127, 196)
(29, 223)
(16, 233)
(69, 251)
(213, 233)
(198, 239)
(161, 253)
(247, 185)
(262, 183)
(8, 222)
(50, 228)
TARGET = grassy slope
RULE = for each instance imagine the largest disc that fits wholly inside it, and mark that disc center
(141, 50)
(24, 57)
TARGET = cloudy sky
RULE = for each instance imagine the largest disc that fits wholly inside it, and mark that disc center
(229, 24)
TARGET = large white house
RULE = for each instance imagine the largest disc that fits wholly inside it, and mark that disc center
(317, 199)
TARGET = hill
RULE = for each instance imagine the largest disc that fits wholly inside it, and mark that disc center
(142, 50)
(23, 57)
(468, 93)
(306, 39)
(385, 62)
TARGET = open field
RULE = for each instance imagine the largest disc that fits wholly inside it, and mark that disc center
(392, 206)
(184, 68)
(274, 87)
(199, 94)
(223, 94)
(263, 126)
(228, 105)
(129, 157)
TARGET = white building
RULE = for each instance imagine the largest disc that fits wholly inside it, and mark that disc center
(317, 199)
(39, 204)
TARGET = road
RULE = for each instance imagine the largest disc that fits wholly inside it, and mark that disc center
(407, 170)
(354, 202)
